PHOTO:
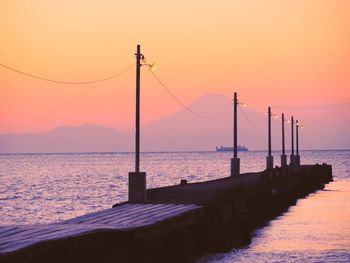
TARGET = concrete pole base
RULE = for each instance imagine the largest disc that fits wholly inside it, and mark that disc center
(292, 160)
(269, 162)
(283, 160)
(235, 166)
(297, 160)
(137, 187)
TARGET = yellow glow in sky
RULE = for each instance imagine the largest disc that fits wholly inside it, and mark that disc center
(272, 52)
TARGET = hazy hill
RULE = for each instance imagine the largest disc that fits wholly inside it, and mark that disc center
(184, 131)
(85, 138)
(179, 131)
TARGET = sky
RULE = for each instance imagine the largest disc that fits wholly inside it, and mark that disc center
(293, 55)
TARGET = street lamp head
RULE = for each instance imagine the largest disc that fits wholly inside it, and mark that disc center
(274, 116)
(242, 103)
(152, 67)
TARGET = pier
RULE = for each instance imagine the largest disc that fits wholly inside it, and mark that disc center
(175, 223)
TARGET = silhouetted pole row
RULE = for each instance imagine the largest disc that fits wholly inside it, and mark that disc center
(235, 162)
(294, 159)
(137, 179)
(283, 156)
(269, 158)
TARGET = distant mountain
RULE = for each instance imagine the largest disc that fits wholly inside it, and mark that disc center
(85, 138)
(326, 127)
(185, 131)
(179, 131)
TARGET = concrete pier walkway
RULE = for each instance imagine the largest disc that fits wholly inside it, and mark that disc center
(144, 219)
(176, 223)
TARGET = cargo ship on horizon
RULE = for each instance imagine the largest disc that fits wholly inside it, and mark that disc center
(230, 149)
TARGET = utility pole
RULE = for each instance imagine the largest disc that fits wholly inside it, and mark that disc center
(292, 160)
(137, 179)
(235, 162)
(297, 157)
(269, 158)
(137, 112)
(283, 156)
(235, 103)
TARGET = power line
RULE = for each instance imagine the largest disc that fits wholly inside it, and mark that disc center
(245, 116)
(250, 122)
(177, 100)
(67, 82)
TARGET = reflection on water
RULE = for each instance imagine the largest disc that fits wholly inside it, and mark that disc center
(43, 188)
(317, 229)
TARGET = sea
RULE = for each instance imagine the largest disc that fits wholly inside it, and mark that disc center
(44, 188)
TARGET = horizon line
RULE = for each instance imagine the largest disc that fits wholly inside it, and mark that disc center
(151, 152)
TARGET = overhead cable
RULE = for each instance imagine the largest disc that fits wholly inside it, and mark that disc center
(67, 82)
(177, 100)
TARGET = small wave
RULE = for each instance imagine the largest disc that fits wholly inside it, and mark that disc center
(14, 197)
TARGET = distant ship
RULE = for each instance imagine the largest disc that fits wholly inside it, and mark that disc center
(230, 149)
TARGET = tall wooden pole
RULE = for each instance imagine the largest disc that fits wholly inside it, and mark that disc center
(283, 156)
(297, 136)
(292, 134)
(283, 142)
(292, 156)
(297, 157)
(235, 103)
(137, 179)
(137, 124)
(269, 158)
(235, 162)
(269, 131)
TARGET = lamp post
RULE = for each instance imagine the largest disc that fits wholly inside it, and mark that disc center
(269, 158)
(292, 156)
(235, 162)
(297, 157)
(137, 179)
(283, 156)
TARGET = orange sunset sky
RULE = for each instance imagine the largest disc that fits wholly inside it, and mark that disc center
(290, 54)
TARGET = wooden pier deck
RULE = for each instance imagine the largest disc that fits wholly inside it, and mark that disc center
(127, 218)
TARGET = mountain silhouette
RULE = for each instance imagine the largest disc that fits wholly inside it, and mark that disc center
(185, 131)
(84, 138)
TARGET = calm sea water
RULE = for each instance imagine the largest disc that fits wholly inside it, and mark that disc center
(42, 188)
